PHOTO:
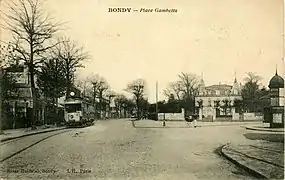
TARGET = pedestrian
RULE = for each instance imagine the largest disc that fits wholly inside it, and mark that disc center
(195, 123)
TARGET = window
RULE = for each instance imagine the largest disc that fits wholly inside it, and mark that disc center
(217, 92)
(72, 107)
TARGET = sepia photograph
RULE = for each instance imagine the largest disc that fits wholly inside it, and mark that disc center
(142, 90)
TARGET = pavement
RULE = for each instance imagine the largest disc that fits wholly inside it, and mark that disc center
(114, 149)
(263, 160)
(124, 149)
(263, 156)
(263, 127)
(18, 133)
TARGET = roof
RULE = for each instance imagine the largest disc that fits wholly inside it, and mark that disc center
(276, 82)
(219, 87)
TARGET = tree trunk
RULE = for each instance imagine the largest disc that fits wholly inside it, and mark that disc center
(56, 103)
(100, 104)
(1, 101)
(34, 110)
(120, 111)
(45, 111)
(94, 101)
(68, 84)
(138, 108)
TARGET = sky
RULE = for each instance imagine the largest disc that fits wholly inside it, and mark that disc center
(216, 38)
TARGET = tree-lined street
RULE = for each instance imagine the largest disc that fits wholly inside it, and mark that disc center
(63, 65)
(113, 149)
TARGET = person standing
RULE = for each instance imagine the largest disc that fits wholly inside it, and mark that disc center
(195, 123)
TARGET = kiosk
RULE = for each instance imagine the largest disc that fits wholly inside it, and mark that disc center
(275, 113)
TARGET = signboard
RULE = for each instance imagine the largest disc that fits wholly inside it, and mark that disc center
(277, 118)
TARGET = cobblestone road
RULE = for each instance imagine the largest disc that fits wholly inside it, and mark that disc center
(113, 149)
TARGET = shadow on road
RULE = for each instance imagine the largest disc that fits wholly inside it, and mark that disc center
(267, 137)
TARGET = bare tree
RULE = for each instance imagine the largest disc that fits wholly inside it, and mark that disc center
(31, 29)
(121, 103)
(93, 81)
(103, 86)
(110, 94)
(252, 77)
(137, 88)
(99, 89)
(84, 86)
(174, 88)
(72, 57)
(189, 83)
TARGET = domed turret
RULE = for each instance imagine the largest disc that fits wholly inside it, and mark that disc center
(276, 81)
(275, 113)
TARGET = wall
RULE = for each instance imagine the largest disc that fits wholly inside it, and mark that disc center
(172, 116)
(251, 116)
(282, 97)
(235, 116)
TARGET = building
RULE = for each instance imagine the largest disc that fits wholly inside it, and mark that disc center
(20, 103)
(217, 100)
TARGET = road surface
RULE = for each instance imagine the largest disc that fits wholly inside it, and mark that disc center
(114, 149)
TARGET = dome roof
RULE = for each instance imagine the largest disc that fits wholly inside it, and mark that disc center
(276, 82)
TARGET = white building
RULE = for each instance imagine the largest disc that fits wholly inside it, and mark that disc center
(217, 100)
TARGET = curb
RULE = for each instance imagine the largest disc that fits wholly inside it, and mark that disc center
(249, 170)
(30, 134)
(267, 130)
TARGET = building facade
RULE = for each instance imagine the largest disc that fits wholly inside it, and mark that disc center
(18, 106)
(217, 100)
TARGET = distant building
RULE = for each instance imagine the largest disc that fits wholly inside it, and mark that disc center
(217, 100)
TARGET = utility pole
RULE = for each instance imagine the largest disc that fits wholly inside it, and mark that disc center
(156, 105)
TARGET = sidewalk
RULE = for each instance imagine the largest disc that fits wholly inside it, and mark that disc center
(17, 133)
(183, 124)
(262, 159)
(263, 127)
